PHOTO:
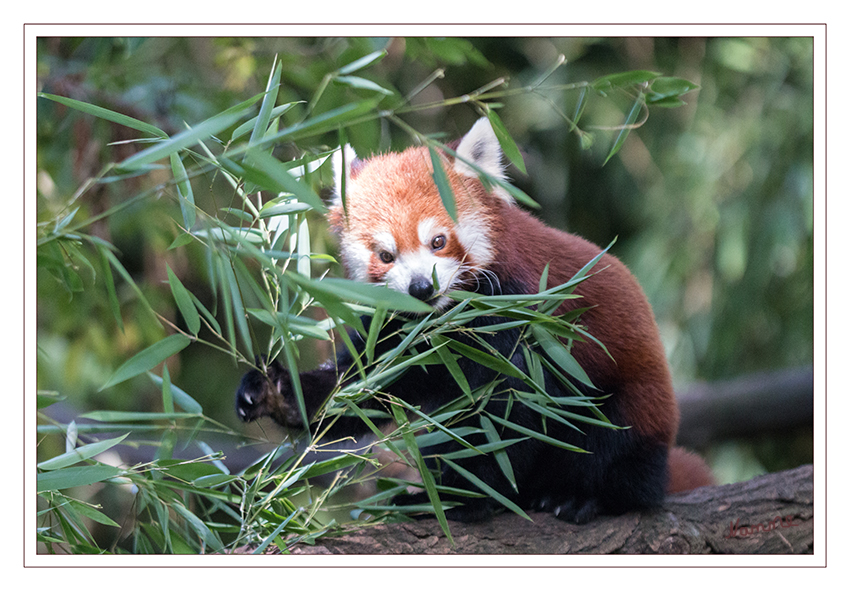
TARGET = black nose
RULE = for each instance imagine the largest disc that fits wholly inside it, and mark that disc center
(421, 288)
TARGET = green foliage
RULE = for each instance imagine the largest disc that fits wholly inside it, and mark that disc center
(200, 241)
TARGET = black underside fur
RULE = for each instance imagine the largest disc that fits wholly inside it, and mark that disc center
(621, 472)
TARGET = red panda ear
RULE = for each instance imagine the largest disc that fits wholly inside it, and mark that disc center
(344, 158)
(480, 147)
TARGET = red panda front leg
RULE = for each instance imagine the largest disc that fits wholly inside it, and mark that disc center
(270, 394)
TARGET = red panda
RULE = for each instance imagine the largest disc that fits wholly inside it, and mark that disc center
(396, 231)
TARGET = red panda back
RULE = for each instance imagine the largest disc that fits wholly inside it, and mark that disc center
(620, 317)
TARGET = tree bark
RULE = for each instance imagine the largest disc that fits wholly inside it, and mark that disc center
(771, 514)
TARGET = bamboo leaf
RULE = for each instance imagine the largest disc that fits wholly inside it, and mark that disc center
(487, 489)
(295, 376)
(307, 327)
(78, 476)
(148, 358)
(304, 248)
(536, 435)
(451, 364)
(514, 192)
(501, 456)
(443, 185)
(213, 480)
(366, 60)
(251, 123)
(484, 448)
(485, 359)
(365, 293)
(373, 428)
(328, 121)
(666, 88)
(182, 140)
(231, 285)
(550, 413)
(184, 302)
(559, 354)
(424, 472)
(665, 102)
(375, 325)
(182, 239)
(79, 454)
(167, 397)
(261, 124)
(626, 128)
(544, 279)
(582, 418)
(362, 83)
(259, 549)
(199, 526)
(299, 325)
(382, 377)
(509, 147)
(269, 173)
(71, 436)
(93, 514)
(113, 260)
(65, 220)
(114, 416)
(622, 79)
(185, 401)
(106, 114)
(111, 294)
(184, 190)
(439, 426)
(412, 332)
(46, 398)
(272, 209)
(581, 104)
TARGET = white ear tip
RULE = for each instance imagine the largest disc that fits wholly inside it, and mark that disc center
(347, 153)
(337, 158)
(482, 127)
(480, 147)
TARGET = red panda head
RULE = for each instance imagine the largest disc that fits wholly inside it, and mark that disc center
(395, 229)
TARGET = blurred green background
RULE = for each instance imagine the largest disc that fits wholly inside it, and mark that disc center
(711, 203)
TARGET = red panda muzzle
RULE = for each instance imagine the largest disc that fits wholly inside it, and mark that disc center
(421, 288)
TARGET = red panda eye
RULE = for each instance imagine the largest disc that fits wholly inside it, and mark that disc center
(386, 257)
(438, 242)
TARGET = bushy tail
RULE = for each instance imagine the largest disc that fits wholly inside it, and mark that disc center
(687, 471)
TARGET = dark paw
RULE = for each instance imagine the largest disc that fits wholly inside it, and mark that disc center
(249, 396)
(577, 512)
(572, 510)
(260, 394)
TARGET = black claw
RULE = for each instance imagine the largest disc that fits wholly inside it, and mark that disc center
(578, 513)
(246, 407)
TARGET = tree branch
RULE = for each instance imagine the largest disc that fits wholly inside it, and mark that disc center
(746, 406)
(770, 514)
